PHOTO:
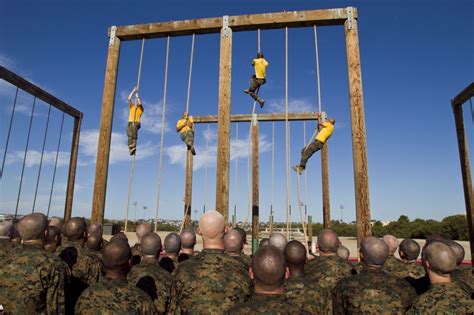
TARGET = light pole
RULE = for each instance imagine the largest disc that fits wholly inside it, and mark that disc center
(144, 208)
(135, 204)
(342, 208)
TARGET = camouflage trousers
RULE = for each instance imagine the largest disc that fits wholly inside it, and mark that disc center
(254, 85)
(188, 138)
(132, 133)
(306, 153)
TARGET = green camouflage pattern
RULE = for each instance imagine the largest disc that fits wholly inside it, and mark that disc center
(5, 246)
(98, 254)
(372, 292)
(267, 304)
(114, 296)
(242, 261)
(410, 270)
(443, 298)
(155, 281)
(247, 259)
(32, 281)
(393, 264)
(209, 283)
(327, 270)
(309, 296)
(463, 277)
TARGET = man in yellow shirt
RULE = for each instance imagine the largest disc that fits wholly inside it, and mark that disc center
(134, 116)
(325, 131)
(185, 127)
(258, 79)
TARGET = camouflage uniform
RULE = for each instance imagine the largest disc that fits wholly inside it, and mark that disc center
(443, 298)
(5, 246)
(463, 277)
(372, 292)
(242, 261)
(98, 254)
(32, 281)
(267, 304)
(327, 270)
(309, 296)
(410, 270)
(155, 281)
(114, 296)
(210, 282)
(246, 259)
(393, 264)
(136, 254)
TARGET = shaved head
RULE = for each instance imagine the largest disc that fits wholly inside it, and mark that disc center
(374, 251)
(410, 249)
(119, 236)
(188, 239)
(33, 226)
(295, 253)
(54, 233)
(439, 258)
(6, 228)
(458, 250)
(75, 229)
(95, 228)
(269, 267)
(392, 243)
(233, 242)
(143, 230)
(328, 241)
(116, 256)
(172, 243)
(212, 226)
(279, 241)
(94, 242)
(243, 233)
(264, 242)
(343, 252)
(55, 221)
(151, 245)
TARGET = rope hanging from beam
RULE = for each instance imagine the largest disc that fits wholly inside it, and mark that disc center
(55, 164)
(205, 167)
(8, 134)
(236, 173)
(287, 142)
(273, 176)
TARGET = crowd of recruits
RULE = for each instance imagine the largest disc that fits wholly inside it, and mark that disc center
(81, 275)
(185, 126)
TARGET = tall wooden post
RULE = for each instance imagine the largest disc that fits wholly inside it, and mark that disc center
(188, 190)
(223, 130)
(466, 173)
(255, 187)
(359, 145)
(325, 186)
(71, 179)
(309, 232)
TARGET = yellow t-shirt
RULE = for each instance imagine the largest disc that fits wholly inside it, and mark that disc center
(326, 132)
(260, 65)
(135, 113)
(182, 122)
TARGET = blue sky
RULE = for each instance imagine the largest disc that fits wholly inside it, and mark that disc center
(416, 55)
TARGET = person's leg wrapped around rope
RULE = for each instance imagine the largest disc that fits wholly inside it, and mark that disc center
(132, 133)
(254, 85)
(307, 152)
(188, 139)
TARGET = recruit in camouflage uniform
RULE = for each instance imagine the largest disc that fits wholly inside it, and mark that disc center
(246, 259)
(307, 295)
(372, 292)
(242, 261)
(5, 246)
(155, 281)
(393, 264)
(210, 282)
(267, 304)
(410, 270)
(463, 277)
(32, 281)
(327, 270)
(114, 296)
(443, 298)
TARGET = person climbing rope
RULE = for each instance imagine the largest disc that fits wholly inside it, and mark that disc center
(325, 131)
(258, 79)
(185, 127)
(136, 111)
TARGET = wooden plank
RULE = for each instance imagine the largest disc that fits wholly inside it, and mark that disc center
(71, 179)
(466, 173)
(34, 90)
(359, 145)
(208, 119)
(325, 187)
(255, 188)
(188, 190)
(105, 132)
(464, 95)
(223, 130)
(238, 23)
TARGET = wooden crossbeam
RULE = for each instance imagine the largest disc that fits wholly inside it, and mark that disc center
(464, 95)
(260, 117)
(237, 23)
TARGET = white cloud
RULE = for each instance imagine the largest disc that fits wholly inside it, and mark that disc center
(33, 158)
(294, 105)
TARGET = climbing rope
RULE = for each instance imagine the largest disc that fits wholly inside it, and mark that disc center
(162, 134)
(41, 159)
(205, 168)
(8, 134)
(273, 170)
(472, 112)
(317, 66)
(236, 171)
(287, 141)
(305, 173)
(55, 164)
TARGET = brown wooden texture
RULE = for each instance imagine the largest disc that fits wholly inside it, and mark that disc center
(466, 173)
(359, 145)
(309, 232)
(188, 190)
(255, 187)
(105, 133)
(465, 95)
(325, 187)
(223, 130)
(247, 22)
(71, 179)
(260, 117)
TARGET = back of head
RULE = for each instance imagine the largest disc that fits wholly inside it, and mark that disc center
(409, 249)
(116, 256)
(374, 251)
(243, 234)
(392, 243)
(151, 245)
(55, 221)
(328, 241)
(33, 227)
(75, 229)
(343, 252)
(54, 235)
(458, 250)
(95, 228)
(94, 242)
(279, 241)
(233, 242)
(439, 258)
(119, 236)
(6, 228)
(143, 230)
(172, 243)
(188, 239)
(259, 55)
(212, 226)
(264, 242)
(295, 253)
(269, 267)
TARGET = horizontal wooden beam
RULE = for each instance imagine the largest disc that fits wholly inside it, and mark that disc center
(209, 119)
(237, 23)
(465, 95)
(38, 92)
